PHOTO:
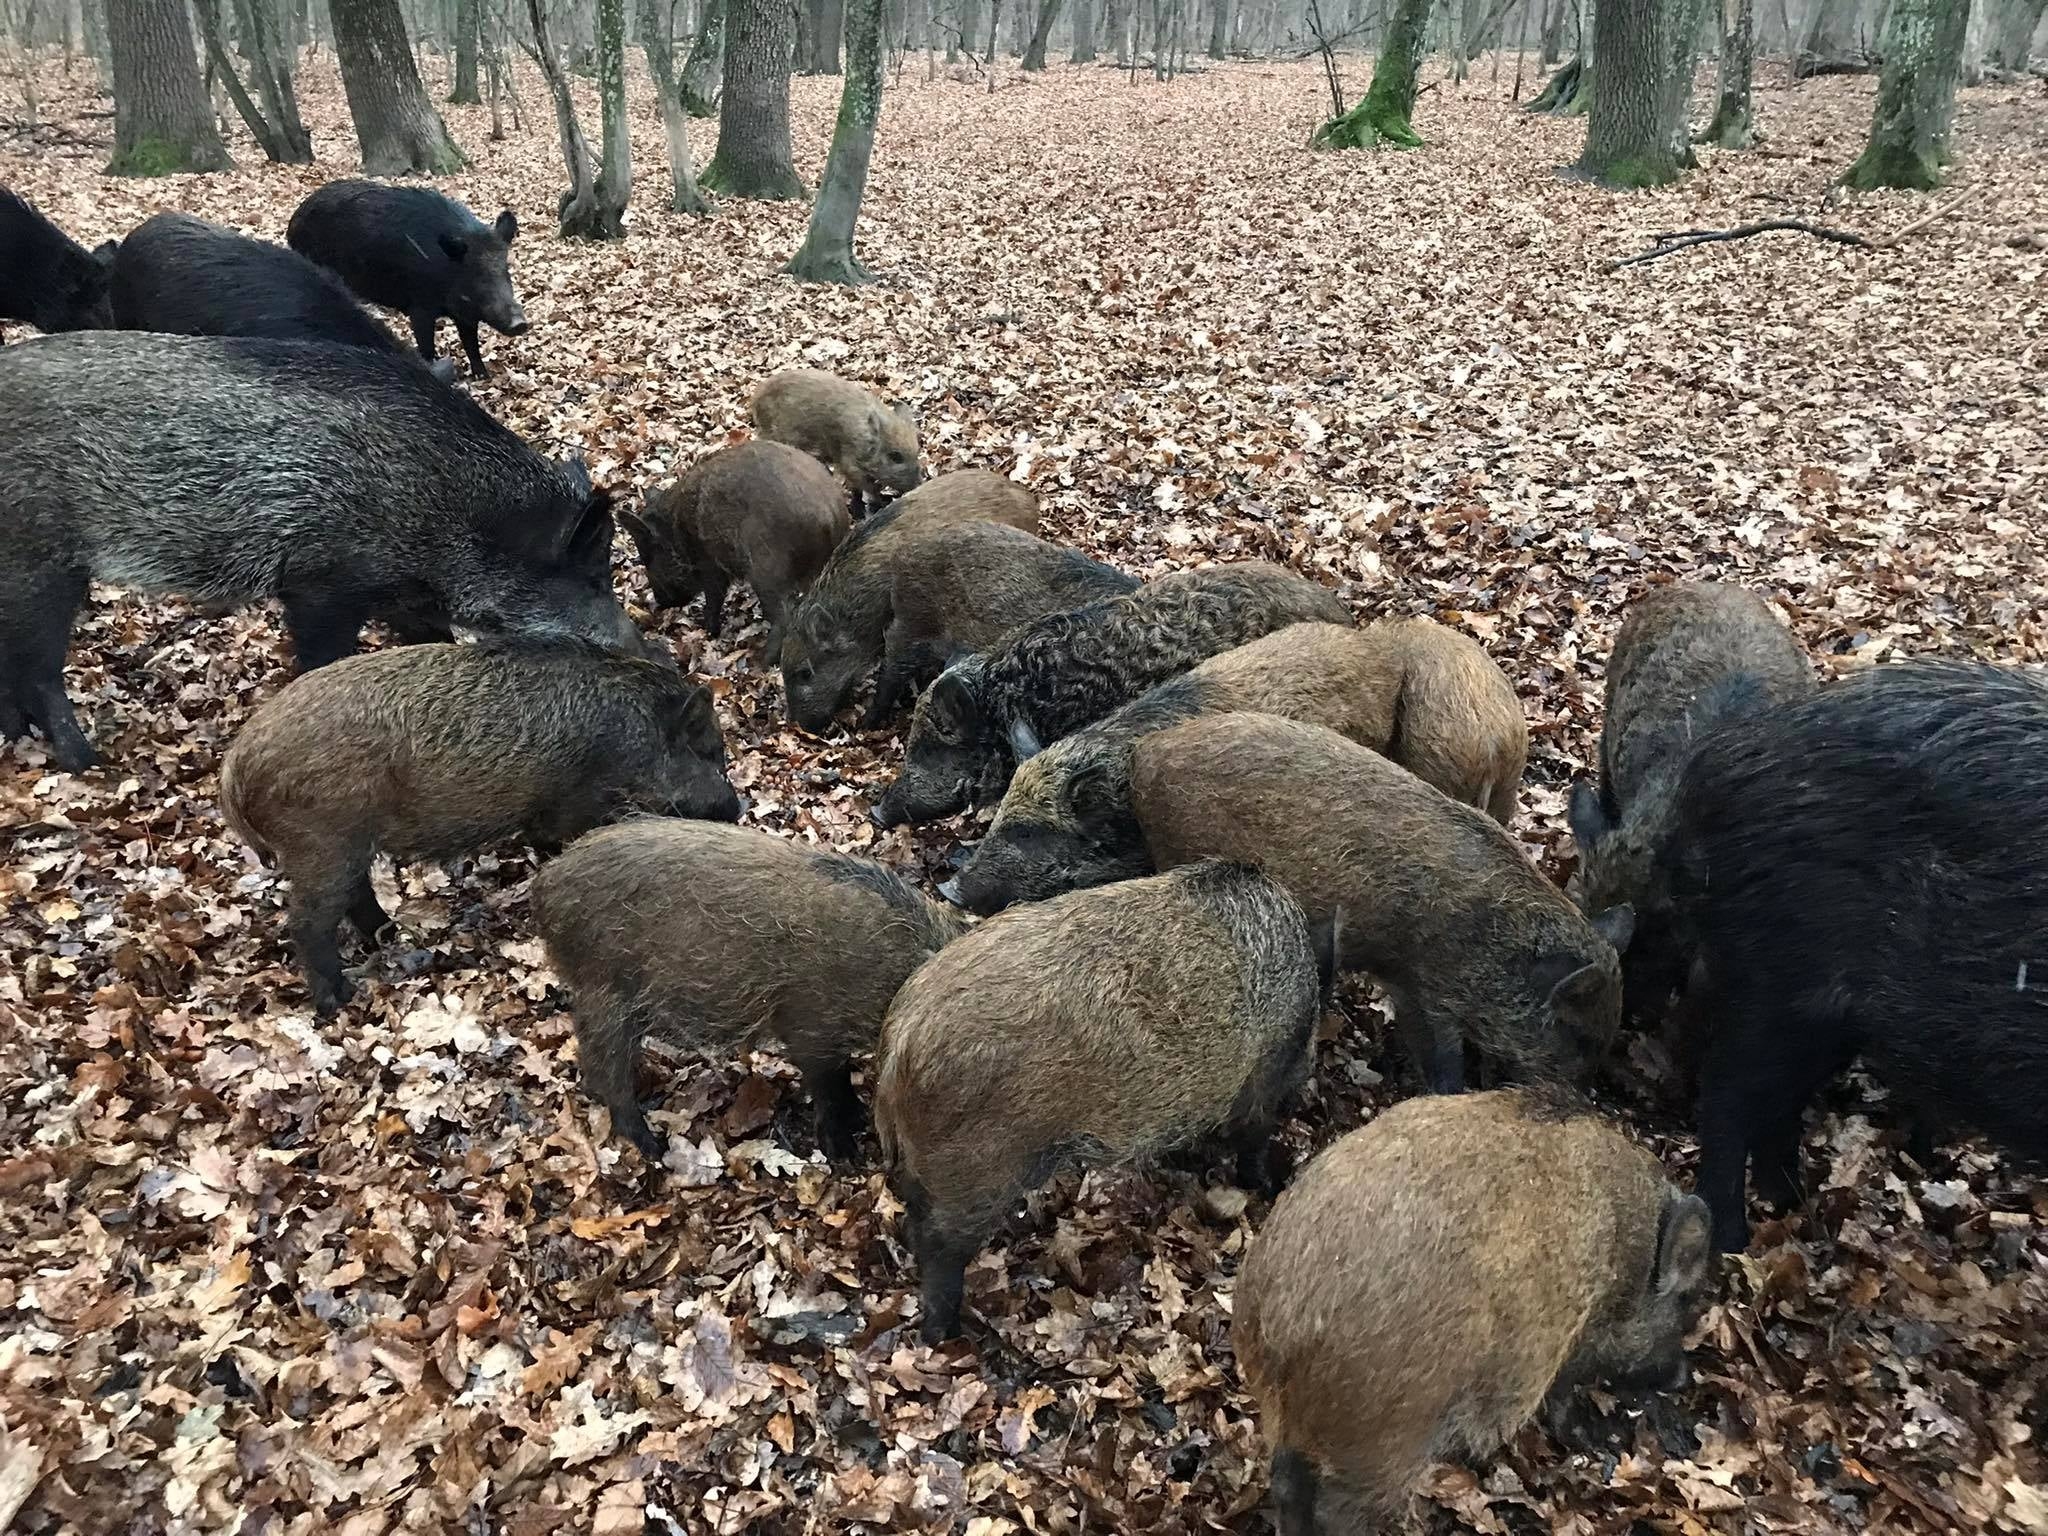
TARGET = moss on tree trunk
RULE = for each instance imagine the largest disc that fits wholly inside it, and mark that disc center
(1383, 115)
(827, 252)
(397, 127)
(1734, 124)
(163, 122)
(1916, 96)
(1636, 126)
(753, 155)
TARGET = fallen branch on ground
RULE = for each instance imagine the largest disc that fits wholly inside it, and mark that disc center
(1673, 241)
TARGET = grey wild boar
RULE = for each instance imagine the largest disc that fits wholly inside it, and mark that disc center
(762, 513)
(717, 937)
(346, 482)
(964, 587)
(1415, 692)
(433, 751)
(989, 712)
(1433, 1279)
(1688, 659)
(1108, 1026)
(1437, 902)
(839, 632)
(838, 422)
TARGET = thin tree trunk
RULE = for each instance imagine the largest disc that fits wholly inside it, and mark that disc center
(469, 22)
(1383, 115)
(1120, 12)
(1219, 29)
(827, 253)
(753, 157)
(1034, 51)
(605, 218)
(1916, 96)
(995, 29)
(970, 28)
(397, 127)
(1635, 127)
(704, 70)
(162, 120)
(1734, 126)
(581, 197)
(675, 119)
(268, 138)
(1083, 49)
(1553, 32)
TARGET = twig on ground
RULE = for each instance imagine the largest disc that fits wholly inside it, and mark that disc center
(1684, 239)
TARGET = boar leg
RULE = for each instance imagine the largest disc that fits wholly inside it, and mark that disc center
(840, 1116)
(325, 624)
(1436, 1045)
(715, 585)
(775, 608)
(365, 911)
(35, 632)
(607, 1058)
(1262, 1163)
(1295, 1485)
(318, 903)
(425, 324)
(856, 504)
(466, 329)
(943, 1263)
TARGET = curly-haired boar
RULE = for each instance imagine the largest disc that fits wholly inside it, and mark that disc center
(1688, 658)
(1431, 1279)
(432, 751)
(1106, 1026)
(1858, 870)
(845, 425)
(715, 937)
(1431, 897)
(839, 631)
(762, 513)
(987, 713)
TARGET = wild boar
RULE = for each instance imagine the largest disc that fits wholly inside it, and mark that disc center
(844, 425)
(716, 937)
(1688, 658)
(987, 713)
(47, 278)
(432, 751)
(839, 632)
(762, 513)
(1429, 1280)
(1437, 901)
(1110, 1025)
(1856, 869)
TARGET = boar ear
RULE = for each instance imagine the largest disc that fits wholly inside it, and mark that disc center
(105, 252)
(1579, 987)
(454, 247)
(1588, 817)
(589, 547)
(1617, 925)
(691, 717)
(954, 703)
(905, 412)
(507, 227)
(1024, 742)
(638, 531)
(1685, 1246)
(1090, 795)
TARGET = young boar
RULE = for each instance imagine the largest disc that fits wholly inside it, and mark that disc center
(432, 751)
(964, 587)
(845, 425)
(838, 633)
(1689, 657)
(1109, 1026)
(761, 513)
(987, 713)
(346, 482)
(1436, 900)
(716, 937)
(1415, 692)
(1431, 1279)
(1858, 870)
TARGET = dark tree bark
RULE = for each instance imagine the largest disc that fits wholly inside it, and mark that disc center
(397, 127)
(827, 254)
(1083, 51)
(1382, 115)
(675, 117)
(1916, 96)
(582, 194)
(970, 26)
(2012, 34)
(1635, 126)
(825, 20)
(275, 124)
(1553, 31)
(1219, 30)
(469, 25)
(1830, 40)
(704, 70)
(163, 122)
(1034, 51)
(1120, 14)
(753, 157)
(1734, 125)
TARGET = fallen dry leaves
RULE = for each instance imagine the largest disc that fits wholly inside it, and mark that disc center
(271, 1275)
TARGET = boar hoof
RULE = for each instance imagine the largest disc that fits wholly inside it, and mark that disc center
(330, 996)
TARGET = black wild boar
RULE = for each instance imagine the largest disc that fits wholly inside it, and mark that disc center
(187, 277)
(346, 482)
(1430, 1280)
(1436, 901)
(838, 634)
(715, 937)
(1107, 1026)
(47, 279)
(756, 512)
(964, 587)
(987, 713)
(1417, 693)
(432, 751)
(413, 250)
(1858, 871)
(1688, 658)
(845, 425)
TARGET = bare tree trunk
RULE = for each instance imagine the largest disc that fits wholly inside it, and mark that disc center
(827, 254)
(397, 127)
(469, 22)
(1083, 49)
(1034, 51)
(1383, 114)
(1830, 37)
(827, 22)
(1916, 96)
(1219, 29)
(1734, 126)
(704, 70)
(675, 119)
(1553, 31)
(582, 194)
(753, 157)
(995, 29)
(1120, 13)
(605, 217)
(970, 28)
(162, 120)
(1636, 125)
(2012, 34)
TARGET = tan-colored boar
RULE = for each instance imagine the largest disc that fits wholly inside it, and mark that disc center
(845, 425)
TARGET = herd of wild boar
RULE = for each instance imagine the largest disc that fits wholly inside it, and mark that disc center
(1212, 790)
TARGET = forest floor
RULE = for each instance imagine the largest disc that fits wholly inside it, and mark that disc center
(382, 1272)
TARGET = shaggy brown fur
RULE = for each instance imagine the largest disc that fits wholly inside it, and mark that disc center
(844, 425)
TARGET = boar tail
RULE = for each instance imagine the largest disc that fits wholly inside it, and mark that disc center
(232, 809)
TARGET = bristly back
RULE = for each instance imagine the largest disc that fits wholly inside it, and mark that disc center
(873, 878)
